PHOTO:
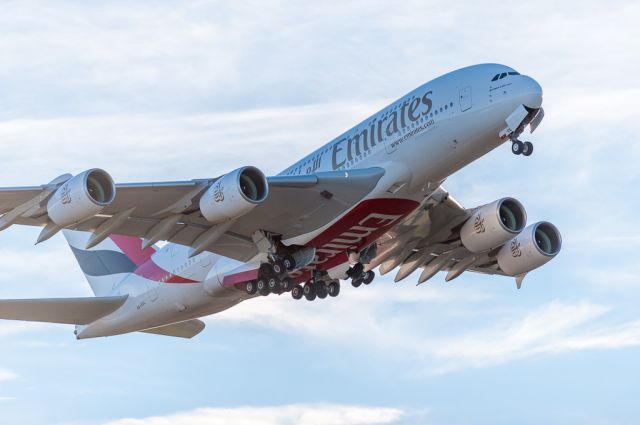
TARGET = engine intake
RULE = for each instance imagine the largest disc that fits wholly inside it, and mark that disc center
(234, 194)
(535, 246)
(81, 197)
(493, 224)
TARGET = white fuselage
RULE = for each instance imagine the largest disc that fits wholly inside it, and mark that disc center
(419, 141)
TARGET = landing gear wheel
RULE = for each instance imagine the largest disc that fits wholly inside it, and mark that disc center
(278, 267)
(517, 147)
(367, 277)
(261, 286)
(296, 292)
(356, 281)
(251, 287)
(286, 284)
(273, 285)
(321, 290)
(528, 149)
(356, 270)
(309, 291)
(265, 270)
(289, 262)
(334, 289)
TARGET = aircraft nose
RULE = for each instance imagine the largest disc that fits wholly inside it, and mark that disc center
(531, 92)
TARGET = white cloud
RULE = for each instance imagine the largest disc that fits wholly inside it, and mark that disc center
(204, 145)
(553, 328)
(7, 375)
(370, 318)
(298, 414)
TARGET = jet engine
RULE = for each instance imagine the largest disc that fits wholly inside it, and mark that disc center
(81, 197)
(234, 194)
(535, 246)
(493, 224)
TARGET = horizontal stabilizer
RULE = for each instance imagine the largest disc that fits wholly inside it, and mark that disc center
(187, 329)
(73, 311)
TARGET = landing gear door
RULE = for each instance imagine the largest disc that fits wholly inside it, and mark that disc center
(465, 98)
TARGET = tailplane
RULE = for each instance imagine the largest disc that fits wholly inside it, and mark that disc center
(108, 263)
(72, 311)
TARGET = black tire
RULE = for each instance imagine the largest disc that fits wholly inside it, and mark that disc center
(321, 290)
(356, 270)
(289, 262)
(286, 284)
(273, 285)
(368, 277)
(261, 286)
(527, 150)
(309, 291)
(296, 292)
(334, 289)
(278, 267)
(356, 281)
(265, 271)
(517, 147)
(251, 287)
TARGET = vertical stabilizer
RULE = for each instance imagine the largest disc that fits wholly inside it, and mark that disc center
(109, 262)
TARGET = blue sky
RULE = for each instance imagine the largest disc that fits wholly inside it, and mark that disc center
(179, 90)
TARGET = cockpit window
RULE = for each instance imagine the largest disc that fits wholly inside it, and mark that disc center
(504, 74)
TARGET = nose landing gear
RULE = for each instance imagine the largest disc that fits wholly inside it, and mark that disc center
(518, 147)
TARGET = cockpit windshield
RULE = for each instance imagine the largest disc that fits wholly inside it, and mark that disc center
(504, 74)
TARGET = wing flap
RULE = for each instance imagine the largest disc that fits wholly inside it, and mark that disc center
(187, 329)
(73, 311)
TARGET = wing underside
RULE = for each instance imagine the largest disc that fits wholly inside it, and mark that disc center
(429, 239)
(295, 205)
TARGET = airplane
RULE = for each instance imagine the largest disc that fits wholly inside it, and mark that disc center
(370, 198)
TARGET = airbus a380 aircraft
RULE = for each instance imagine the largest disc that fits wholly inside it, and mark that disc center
(370, 198)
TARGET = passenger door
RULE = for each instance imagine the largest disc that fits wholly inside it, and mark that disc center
(465, 98)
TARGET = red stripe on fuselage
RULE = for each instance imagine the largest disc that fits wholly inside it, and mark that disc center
(241, 277)
(152, 271)
(360, 227)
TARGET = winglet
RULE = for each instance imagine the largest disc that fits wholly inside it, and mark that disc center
(519, 280)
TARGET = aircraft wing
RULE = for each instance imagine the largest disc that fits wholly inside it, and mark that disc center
(429, 239)
(295, 205)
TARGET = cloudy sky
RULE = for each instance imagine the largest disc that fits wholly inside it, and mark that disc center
(161, 90)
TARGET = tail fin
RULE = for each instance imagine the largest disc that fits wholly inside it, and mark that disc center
(108, 263)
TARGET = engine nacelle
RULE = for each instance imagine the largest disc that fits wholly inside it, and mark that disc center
(81, 197)
(535, 246)
(493, 224)
(234, 194)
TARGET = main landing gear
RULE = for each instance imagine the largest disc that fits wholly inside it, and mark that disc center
(521, 148)
(316, 289)
(359, 276)
(270, 282)
(273, 277)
